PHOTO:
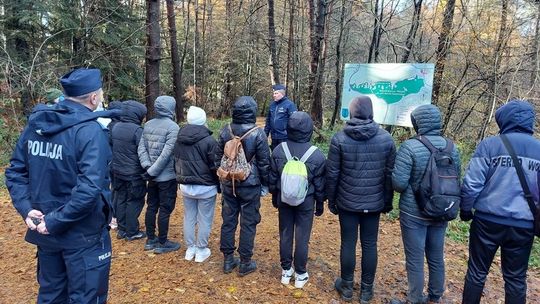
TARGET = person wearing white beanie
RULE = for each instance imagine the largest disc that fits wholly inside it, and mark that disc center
(196, 174)
(196, 116)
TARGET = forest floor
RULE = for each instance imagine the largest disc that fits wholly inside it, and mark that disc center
(142, 277)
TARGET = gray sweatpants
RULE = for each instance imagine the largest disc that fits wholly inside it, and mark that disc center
(198, 212)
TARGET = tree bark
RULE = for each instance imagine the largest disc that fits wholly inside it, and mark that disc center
(317, 26)
(493, 83)
(443, 47)
(338, 66)
(290, 43)
(535, 48)
(274, 67)
(375, 36)
(175, 60)
(153, 53)
(409, 43)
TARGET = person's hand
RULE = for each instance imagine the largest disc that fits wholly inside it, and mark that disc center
(319, 208)
(42, 227)
(33, 218)
(264, 190)
(332, 206)
(147, 177)
(465, 215)
(387, 208)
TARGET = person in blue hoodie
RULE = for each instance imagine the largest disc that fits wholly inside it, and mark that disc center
(67, 216)
(502, 217)
(281, 109)
(129, 186)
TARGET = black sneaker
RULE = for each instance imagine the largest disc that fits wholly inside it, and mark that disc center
(121, 235)
(168, 246)
(247, 268)
(151, 244)
(136, 236)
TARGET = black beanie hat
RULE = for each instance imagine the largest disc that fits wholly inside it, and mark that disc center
(361, 108)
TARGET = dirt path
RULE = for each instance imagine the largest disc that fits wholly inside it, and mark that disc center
(140, 277)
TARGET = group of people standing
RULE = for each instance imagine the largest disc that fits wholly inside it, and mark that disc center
(68, 216)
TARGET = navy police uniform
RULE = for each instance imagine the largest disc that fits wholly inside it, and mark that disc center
(277, 118)
(60, 167)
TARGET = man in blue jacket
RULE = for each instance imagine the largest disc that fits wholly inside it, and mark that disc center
(278, 116)
(502, 216)
(67, 216)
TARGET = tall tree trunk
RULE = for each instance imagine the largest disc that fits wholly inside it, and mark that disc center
(535, 48)
(274, 67)
(412, 31)
(153, 53)
(493, 82)
(175, 60)
(317, 26)
(443, 47)
(375, 37)
(338, 66)
(290, 43)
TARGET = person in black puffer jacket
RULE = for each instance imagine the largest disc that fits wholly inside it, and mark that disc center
(359, 188)
(244, 200)
(129, 187)
(194, 156)
(295, 222)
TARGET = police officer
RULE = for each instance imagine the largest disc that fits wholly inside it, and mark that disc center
(67, 216)
(281, 109)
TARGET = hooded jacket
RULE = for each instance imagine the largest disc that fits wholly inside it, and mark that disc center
(412, 157)
(491, 185)
(194, 156)
(278, 115)
(158, 139)
(300, 130)
(255, 145)
(359, 167)
(60, 167)
(126, 134)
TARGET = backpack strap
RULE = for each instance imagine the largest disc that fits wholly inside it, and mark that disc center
(286, 150)
(247, 133)
(520, 174)
(308, 153)
(424, 140)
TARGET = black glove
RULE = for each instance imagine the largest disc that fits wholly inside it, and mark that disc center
(319, 208)
(387, 208)
(465, 215)
(274, 200)
(145, 176)
(333, 208)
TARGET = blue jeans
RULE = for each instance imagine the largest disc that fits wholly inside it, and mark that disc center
(423, 237)
(199, 212)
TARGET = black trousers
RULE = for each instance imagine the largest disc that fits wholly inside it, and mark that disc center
(294, 225)
(515, 243)
(162, 197)
(129, 204)
(246, 204)
(367, 225)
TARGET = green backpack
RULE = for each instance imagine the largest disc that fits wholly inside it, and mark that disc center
(294, 178)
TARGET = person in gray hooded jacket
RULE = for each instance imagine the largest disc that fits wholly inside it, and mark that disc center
(420, 235)
(156, 155)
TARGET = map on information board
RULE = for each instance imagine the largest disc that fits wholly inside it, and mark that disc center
(395, 89)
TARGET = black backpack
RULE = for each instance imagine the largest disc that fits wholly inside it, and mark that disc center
(439, 193)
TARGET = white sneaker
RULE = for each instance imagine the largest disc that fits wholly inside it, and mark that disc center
(300, 280)
(202, 254)
(113, 223)
(286, 276)
(190, 253)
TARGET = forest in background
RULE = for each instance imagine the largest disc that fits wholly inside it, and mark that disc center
(208, 52)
